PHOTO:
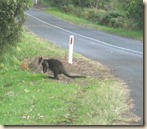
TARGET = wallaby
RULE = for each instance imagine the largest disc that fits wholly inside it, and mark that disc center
(56, 67)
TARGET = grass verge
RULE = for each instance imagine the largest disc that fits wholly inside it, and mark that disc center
(134, 34)
(28, 97)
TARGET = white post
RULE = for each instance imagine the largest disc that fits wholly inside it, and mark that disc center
(36, 1)
(71, 42)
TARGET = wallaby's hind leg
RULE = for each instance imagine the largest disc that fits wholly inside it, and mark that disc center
(56, 76)
(56, 72)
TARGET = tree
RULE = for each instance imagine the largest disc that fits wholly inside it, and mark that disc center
(132, 8)
(135, 11)
(12, 18)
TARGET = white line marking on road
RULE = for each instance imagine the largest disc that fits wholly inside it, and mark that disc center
(105, 43)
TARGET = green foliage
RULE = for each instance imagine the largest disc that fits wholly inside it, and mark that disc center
(135, 12)
(112, 18)
(11, 19)
(127, 14)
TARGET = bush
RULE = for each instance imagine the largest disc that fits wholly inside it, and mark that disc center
(103, 17)
(11, 19)
(89, 13)
(67, 8)
(104, 12)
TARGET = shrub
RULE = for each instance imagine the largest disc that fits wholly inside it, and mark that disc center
(11, 19)
(67, 8)
(112, 19)
(90, 14)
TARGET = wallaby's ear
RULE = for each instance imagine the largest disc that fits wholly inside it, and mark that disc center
(40, 60)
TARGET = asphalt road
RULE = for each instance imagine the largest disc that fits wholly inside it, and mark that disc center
(123, 56)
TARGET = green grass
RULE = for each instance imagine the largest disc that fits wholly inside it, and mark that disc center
(29, 98)
(134, 34)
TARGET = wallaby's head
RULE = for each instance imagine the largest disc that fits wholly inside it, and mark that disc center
(45, 66)
(40, 60)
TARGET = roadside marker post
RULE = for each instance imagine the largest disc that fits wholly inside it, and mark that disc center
(36, 1)
(71, 42)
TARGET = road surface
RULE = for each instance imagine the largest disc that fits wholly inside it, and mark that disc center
(123, 56)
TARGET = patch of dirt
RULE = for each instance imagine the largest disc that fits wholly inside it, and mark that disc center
(78, 67)
(129, 118)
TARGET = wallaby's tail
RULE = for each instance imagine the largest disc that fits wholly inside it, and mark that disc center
(66, 74)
